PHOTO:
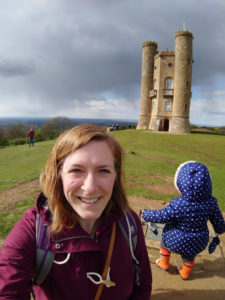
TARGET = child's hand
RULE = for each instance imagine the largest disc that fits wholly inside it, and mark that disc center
(213, 244)
(154, 228)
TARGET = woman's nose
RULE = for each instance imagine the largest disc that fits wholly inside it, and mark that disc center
(89, 184)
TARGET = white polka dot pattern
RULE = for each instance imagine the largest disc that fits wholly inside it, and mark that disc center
(186, 217)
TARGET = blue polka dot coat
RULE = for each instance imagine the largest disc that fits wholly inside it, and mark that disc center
(186, 217)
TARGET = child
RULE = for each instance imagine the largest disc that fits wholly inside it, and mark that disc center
(186, 231)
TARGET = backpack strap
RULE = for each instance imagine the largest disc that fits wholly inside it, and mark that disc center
(107, 264)
(128, 227)
(44, 257)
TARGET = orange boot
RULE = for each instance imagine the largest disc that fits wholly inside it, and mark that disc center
(164, 261)
(185, 270)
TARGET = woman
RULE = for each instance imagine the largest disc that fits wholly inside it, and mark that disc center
(82, 200)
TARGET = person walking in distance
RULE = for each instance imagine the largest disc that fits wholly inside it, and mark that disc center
(31, 137)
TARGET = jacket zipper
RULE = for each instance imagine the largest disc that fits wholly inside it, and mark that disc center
(93, 237)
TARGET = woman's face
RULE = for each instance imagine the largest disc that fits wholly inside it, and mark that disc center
(88, 176)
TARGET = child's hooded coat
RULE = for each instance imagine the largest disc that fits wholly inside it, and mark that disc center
(186, 217)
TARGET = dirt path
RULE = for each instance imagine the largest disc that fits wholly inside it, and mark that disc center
(207, 281)
(9, 198)
(204, 284)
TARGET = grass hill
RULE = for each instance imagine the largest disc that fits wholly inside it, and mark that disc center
(151, 160)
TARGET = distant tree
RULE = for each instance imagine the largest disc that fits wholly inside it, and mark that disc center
(62, 123)
(54, 127)
(3, 138)
(16, 130)
(2, 132)
(133, 126)
(122, 127)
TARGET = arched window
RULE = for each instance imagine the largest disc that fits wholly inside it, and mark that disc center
(155, 84)
(167, 105)
(169, 83)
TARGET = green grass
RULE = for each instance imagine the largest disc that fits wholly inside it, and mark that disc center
(20, 164)
(150, 160)
(161, 154)
(157, 156)
(9, 217)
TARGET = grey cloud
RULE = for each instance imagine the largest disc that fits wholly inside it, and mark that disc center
(10, 68)
(90, 50)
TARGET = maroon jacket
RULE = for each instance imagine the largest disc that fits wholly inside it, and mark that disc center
(69, 281)
(31, 134)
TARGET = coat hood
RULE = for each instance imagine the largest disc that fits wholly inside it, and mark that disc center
(41, 205)
(193, 180)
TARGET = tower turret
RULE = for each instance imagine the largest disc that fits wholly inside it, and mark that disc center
(182, 82)
(149, 50)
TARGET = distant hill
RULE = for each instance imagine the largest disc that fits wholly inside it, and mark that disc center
(6, 122)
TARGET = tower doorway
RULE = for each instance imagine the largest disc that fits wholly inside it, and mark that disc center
(166, 125)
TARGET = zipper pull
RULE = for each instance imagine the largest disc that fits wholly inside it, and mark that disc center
(95, 238)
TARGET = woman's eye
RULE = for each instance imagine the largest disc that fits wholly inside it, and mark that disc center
(76, 170)
(104, 171)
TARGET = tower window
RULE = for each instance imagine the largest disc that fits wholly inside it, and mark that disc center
(167, 105)
(169, 83)
(169, 64)
(187, 84)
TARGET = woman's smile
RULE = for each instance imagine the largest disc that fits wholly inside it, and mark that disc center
(89, 200)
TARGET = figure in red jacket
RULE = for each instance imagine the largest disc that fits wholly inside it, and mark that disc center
(31, 137)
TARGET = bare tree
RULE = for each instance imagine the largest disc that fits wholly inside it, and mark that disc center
(54, 127)
(16, 131)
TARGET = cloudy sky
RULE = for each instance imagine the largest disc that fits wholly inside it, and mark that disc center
(82, 58)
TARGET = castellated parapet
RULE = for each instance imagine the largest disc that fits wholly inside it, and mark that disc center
(166, 86)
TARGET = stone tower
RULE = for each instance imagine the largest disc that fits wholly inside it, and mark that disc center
(149, 50)
(166, 86)
(182, 82)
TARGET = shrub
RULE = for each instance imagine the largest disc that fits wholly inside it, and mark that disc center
(19, 141)
(4, 141)
(38, 136)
